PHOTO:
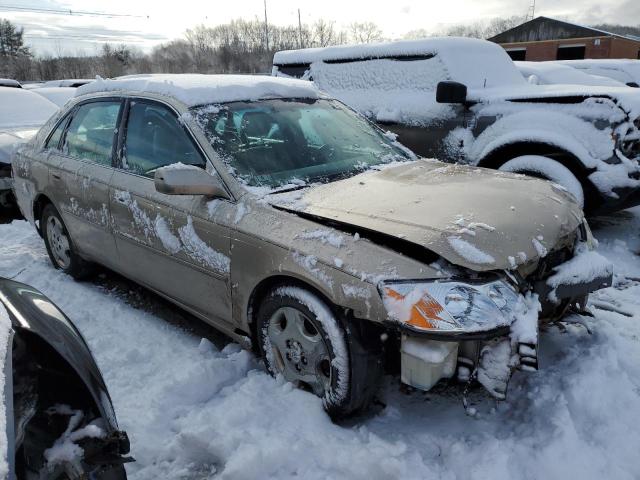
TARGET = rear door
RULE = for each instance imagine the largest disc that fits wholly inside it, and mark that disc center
(80, 172)
(160, 243)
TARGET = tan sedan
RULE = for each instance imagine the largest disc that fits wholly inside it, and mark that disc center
(302, 231)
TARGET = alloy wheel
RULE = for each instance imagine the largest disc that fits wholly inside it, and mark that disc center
(300, 353)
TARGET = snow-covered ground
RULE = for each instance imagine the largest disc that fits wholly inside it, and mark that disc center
(194, 410)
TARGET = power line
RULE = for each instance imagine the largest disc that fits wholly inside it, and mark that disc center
(54, 11)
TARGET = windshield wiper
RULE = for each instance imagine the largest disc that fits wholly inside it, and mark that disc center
(289, 189)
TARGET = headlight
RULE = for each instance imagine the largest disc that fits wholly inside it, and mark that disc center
(451, 306)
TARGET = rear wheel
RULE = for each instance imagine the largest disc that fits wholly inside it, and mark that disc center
(60, 248)
(548, 169)
(302, 339)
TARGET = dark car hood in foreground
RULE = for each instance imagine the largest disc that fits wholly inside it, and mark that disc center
(473, 217)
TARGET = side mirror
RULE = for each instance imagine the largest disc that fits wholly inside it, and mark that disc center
(179, 179)
(451, 92)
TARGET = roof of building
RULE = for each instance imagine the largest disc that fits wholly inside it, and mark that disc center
(545, 28)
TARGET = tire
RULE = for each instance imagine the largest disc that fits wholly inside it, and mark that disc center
(301, 338)
(549, 169)
(61, 250)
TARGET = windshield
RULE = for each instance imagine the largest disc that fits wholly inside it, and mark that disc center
(272, 143)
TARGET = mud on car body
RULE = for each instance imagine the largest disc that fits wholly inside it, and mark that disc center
(303, 231)
(60, 422)
(464, 101)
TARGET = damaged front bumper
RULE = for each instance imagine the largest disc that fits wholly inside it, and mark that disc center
(488, 355)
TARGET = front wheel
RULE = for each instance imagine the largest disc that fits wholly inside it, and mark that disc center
(547, 169)
(302, 339)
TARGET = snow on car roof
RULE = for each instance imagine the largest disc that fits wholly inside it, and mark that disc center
(196, 89)
(19, 108)
(607, 66)
(553, 72)
(476, 63)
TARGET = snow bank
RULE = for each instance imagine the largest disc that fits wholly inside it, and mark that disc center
(195, 89)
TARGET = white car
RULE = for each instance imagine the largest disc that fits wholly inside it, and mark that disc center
(623, 70)
(8, 82)
(22, 113)
(57, 95)
(554, 73)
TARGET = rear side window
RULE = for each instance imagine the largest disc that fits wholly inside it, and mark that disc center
(54, 139)
(92, 131)
(155, 138)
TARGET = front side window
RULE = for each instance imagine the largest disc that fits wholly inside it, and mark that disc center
(277, 142)
(92, 131)
(155, 138)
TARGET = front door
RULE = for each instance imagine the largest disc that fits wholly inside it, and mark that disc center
(80, 173)
(159, 242)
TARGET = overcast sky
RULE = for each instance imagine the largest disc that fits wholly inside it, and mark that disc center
(154, 21)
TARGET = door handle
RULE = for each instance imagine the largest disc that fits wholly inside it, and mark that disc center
(56, 176)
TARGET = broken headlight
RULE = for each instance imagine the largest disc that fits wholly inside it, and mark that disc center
(451, 307)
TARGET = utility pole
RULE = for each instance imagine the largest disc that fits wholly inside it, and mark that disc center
(299, 29)
(266, 26)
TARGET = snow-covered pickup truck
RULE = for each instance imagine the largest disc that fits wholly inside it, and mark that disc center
(464, 101)
(22, 113)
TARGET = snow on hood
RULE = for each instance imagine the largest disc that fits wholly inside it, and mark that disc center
(555, 73)
(196, 89)
(625, 97)
(622, 69)
(22, 108)
(11, 140)
(473, 217)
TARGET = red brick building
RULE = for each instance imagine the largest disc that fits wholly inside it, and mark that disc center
(547, 39)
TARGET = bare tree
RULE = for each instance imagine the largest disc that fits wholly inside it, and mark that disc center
(483, 29)
(365, 32)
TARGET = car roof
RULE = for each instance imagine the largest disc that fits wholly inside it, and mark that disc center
(401, 48)
(197, 89)
(9, 82)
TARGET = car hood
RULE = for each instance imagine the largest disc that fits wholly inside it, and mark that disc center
(626, 97)
(12, 138)
(473, 217)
